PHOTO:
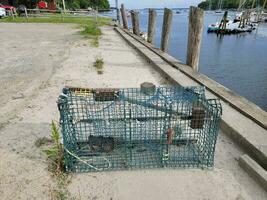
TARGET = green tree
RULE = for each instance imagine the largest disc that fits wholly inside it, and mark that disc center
(84, 3)
(101, 4)
(227, 4)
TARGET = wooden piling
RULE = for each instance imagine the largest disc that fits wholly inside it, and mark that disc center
(61, 14)
(26, 14)
(135, 22)
(64, 7)
(222, 26)
(12, 14)
(166, 29)
(118, 12)
(151, 25)
(96, 18)
(124, 17)
(243, 20)
(196, 18)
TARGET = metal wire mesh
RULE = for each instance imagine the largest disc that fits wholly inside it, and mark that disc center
(111, 129)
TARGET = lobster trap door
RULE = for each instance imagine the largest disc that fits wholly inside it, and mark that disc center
(99, 130)
(185, 121)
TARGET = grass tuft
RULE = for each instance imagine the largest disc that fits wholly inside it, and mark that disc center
(95, 42)
(99, 64)
(56, 18)
(42, 141)
(55, 153)
(91, 30)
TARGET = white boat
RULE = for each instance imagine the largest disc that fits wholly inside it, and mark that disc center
(238, 16)
(232, 27)
(143, 35)
(254, 17)
(218, 11)
(264, 17)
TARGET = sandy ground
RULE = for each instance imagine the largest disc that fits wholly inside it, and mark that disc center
(39, 60)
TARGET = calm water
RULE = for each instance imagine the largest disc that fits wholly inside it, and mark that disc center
(238, 62)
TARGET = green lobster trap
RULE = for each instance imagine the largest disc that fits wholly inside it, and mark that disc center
(112, 129)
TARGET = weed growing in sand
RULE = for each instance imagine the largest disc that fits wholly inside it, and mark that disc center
(99, 64)
(55, 153)
(61, 192)
(91, 30)
(42, 141)
(95, 42)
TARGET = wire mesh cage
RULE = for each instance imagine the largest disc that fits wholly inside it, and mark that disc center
(112, 129)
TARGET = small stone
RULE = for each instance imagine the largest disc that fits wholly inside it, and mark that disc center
(18, 96)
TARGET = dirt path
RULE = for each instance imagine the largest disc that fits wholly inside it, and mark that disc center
(29, 56)
(54, 56)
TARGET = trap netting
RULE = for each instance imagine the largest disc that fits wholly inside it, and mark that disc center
(111, 129)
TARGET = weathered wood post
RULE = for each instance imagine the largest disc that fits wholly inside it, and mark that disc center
(95, 18)
(135, 22)
(166, 29)
(196, 18)
(117, 11)
(62, 18)
(241, 20)
(151, 25)
(64, 7)
(12, 14)
(223, 23)
(124, 17)
(26, 14)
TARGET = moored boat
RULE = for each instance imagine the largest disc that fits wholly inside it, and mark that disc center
(231, 27)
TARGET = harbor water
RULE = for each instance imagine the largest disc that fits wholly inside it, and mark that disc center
(238, 62)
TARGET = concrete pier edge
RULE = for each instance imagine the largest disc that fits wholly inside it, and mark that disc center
(254, 170)
(240, 104)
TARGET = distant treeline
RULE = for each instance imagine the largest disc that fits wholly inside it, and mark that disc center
(70, 4)
(101, 4)
(226, 4)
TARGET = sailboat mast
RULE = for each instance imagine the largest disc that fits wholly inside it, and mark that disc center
(219, 5)
(241, 4)
(209, 5)
(253, 4)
